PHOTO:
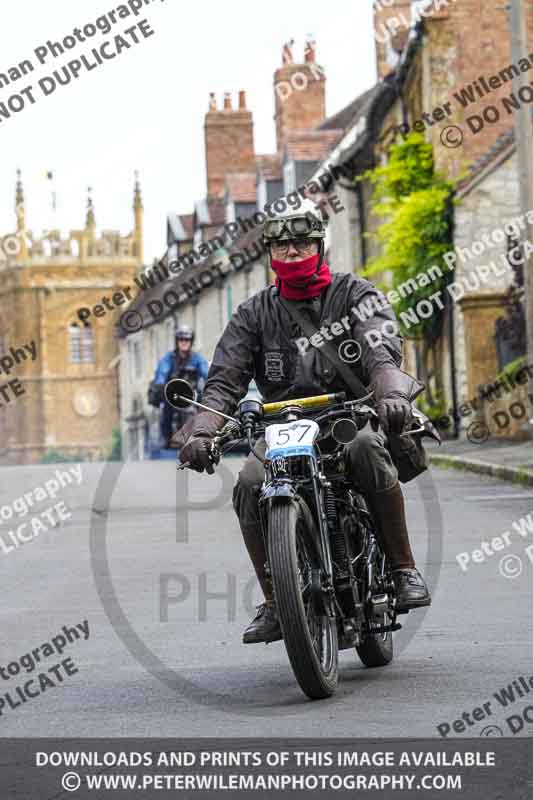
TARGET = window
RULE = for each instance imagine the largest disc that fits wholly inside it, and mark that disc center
(229, 301)
(262, 198)
(289, 177)
(74, 343)
(87, 345)
(80, 344)
(230, 211)
(137, 359)
(170, 334)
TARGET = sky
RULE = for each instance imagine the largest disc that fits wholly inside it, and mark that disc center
(144, 110)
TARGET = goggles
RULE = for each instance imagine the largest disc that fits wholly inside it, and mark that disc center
(293, 228)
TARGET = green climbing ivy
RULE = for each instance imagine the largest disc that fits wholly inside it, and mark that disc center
(416, 203)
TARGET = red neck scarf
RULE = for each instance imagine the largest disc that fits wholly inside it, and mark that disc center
(301, 280)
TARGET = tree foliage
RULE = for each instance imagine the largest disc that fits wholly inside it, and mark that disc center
(416, 203)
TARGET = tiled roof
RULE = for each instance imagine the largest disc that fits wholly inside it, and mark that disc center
(314, 145)
(241, 187)
(180, 227)
(347, 115)
(269, 166)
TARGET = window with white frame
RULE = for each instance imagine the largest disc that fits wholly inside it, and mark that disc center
(230, 212)
(170, 334)
(289, 177)
(262, 196)
(137, 359)
(87, 345)
(74, 343)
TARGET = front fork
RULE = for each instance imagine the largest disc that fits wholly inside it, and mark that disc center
(285, 490)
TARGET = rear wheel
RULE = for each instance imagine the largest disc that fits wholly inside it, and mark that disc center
(376, 648)
(310, 635)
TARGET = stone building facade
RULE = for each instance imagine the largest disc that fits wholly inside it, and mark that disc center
(486, 218)
(459, 66)
(438, 60)
(70, 403)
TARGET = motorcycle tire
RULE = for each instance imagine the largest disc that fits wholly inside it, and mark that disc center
(311, 639)
(377, 650)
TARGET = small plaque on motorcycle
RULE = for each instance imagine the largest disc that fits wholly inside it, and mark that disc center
(292, 438)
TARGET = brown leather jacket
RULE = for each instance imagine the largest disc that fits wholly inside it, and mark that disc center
(260, 341)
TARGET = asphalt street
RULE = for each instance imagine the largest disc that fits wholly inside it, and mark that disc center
(165, 617)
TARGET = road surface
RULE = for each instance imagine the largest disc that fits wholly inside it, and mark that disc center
(164, 657)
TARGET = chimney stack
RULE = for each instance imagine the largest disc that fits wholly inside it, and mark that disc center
(300, 93)
(310, 50)
(286, 54)
(229, 142)
(391, 20)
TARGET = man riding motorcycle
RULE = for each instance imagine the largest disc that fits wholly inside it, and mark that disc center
(182, 362)
(260, 342)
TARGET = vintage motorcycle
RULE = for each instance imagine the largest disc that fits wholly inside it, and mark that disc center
(332, 586)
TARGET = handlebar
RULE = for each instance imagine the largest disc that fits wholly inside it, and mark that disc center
(235, 431)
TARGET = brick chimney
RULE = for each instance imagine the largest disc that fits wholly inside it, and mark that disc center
(299, 91)
(392, 20)
(229, 141)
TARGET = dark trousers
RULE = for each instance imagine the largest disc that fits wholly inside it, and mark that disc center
(368, 462)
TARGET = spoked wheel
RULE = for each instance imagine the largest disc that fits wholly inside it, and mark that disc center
(376, 648)
(310, 635)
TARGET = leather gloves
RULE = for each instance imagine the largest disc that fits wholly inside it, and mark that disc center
(394, 414)
(394, 391)
(194, 438)
(196, 452)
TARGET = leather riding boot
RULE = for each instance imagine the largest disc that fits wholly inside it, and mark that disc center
(265, 626)
(388, 511)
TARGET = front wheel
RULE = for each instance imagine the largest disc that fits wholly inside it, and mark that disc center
(310, 635)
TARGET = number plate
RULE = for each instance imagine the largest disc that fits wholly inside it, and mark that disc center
(291, 439)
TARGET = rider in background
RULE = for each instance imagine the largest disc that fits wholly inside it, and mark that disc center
(182, 362)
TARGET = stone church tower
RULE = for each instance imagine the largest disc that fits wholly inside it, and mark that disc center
(58, 376)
